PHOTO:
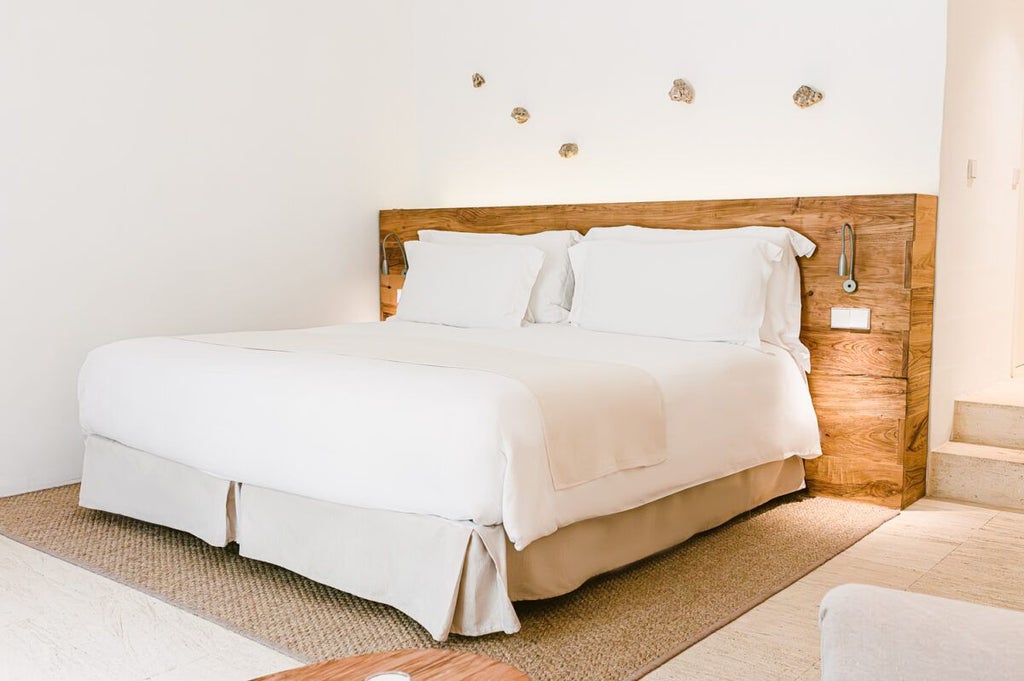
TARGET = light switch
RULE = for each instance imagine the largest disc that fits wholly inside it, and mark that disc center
(855, 318)
(860, 318)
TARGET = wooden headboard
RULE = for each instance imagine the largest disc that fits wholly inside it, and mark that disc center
(870, 389)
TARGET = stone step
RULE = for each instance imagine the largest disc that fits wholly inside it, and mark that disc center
(981, 420)
(979, 474)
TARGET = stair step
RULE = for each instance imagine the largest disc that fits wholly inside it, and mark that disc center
(977, 473)
(997, 424)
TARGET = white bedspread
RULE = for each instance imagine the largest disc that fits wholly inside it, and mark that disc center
(598, 417)
(457, 443)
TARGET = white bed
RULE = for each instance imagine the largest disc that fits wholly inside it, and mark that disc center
(454, 460)
(427, 487)
(459, 444)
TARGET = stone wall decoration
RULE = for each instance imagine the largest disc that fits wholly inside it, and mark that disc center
(681, 91)
(520, 115)
(806, 96)
(478, 80)
(568, 150)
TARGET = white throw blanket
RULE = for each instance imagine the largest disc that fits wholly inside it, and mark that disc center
(599, 417)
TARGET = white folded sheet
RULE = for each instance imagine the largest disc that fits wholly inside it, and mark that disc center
(457, 443)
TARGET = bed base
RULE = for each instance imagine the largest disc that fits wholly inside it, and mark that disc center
(450, 576)
(132, 483)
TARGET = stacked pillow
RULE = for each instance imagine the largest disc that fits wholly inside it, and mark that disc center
(552, 294)
(697, 291)
(780, 324)
(488, 280)
(738, 285)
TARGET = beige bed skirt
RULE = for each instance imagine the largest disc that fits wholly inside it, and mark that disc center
(450, 576)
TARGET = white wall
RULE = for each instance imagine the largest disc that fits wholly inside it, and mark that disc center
(599, 73)
(978, 223)
(198, 165)
(185, 166)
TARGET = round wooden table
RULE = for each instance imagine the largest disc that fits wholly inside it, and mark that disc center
(422, 665)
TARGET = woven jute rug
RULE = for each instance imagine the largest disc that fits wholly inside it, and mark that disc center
(615, 627)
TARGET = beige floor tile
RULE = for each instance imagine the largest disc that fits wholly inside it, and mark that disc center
(788, 620)
(799, 598)
(946, 508)
(850, 567)
(1008, 525)
(986, 569)
(734, 655)
(937, 519)
(915, 553)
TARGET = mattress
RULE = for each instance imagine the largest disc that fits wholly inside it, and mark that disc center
(456, 443)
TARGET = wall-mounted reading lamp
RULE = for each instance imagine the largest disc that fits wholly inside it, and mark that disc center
(384, 253)
(850, 285)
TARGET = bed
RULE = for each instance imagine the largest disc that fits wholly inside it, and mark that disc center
(350, 456)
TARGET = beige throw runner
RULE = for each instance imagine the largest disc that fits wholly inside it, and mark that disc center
(599, 417)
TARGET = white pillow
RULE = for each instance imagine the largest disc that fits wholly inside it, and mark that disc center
(782, 319)
(469, 286)
(552, 294)
(700, 291)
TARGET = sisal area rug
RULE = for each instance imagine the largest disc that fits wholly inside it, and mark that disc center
(615, 627)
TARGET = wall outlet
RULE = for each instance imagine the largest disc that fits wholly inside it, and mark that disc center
(854, 318)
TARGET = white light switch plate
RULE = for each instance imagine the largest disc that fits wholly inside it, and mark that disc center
(855, 318)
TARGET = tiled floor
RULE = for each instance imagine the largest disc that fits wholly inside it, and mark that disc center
(937, 547)
(58, 621)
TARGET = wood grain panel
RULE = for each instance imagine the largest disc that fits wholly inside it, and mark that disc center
(532, 219)
(884, 262)
(856, 480)
(867, 396)
(853, 353)
(890, 305)
(923, 258)
(919, 348)
(914, 485)
(922, 281)
(430, 664)
(873, 438)
(876, 218)
(889, 215)
(915, 444)
(390, 284)
(870, 389)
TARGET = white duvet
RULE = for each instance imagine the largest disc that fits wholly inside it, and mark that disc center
(456, 443)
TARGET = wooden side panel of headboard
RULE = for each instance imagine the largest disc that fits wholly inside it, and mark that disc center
(870, 389)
